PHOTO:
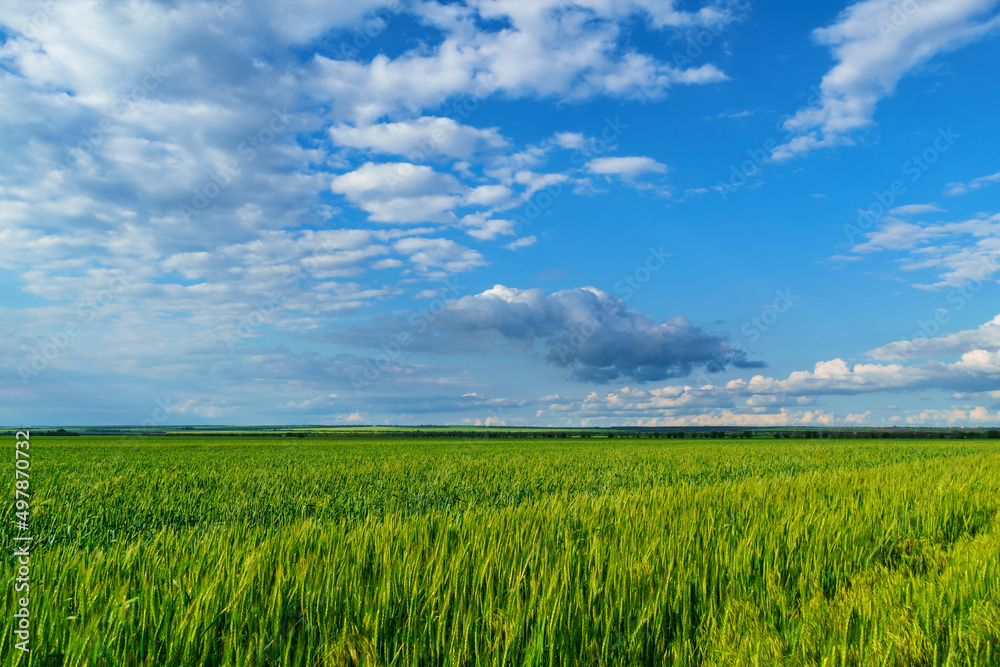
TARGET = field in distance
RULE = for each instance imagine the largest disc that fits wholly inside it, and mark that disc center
(193, 550)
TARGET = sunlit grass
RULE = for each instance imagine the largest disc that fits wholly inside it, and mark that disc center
(225, 551)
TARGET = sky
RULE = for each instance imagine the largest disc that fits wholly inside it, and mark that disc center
(500, 212)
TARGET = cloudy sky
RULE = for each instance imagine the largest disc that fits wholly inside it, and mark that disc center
(506, 211)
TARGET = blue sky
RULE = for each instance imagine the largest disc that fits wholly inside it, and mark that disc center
(508, 212)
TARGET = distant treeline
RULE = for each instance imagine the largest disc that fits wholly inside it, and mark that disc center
(501, 433)
(58, 431)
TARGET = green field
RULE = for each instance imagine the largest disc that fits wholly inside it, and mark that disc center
(322, 551)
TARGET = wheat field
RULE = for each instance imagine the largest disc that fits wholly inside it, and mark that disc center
(316, 552)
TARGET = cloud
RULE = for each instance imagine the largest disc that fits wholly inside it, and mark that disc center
(975, 369)
(420, 139)
(953, 416)
(401, 192)
(958, 252)
(875, 44)
(569, 140)
(625, 166)
(484, 228)
(489, 195)
(522, 242)
(585, 330)
(552, 48)
(955, 189)
(732, 115)
(860, 418)
(770, 401)
(986, 337)
(915, 209)
(444, 254)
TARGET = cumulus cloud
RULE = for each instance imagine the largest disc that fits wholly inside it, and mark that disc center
(585, 330)
(975, 370)
(986, 337)
(875, 44)
(978, 416)
(552, 48)
(158, 129)
(771, 401)
(401, 192)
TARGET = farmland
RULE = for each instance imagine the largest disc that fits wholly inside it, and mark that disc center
(189, 550)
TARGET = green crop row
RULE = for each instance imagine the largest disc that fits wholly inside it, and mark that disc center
(222, 552)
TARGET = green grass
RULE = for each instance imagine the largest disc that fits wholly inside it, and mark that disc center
(286, 551)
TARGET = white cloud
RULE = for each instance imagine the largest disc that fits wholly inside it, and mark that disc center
(301, 21)
(444, 254)
(625, 166)
(915, 209)
(420, 139)
(952, 416)
(875, 44)
(954, 189)
(569, 140)
(386, 264)
(204, 150)
(861, 418)
(765, 400)
(401, 192)
(522, 242)
(489, 195)
(986, 337)
(485, 228)
(733, 115)
(959, 252)
(551, 48)
(401, 179)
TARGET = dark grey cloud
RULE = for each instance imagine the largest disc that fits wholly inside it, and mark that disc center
(590, 332)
